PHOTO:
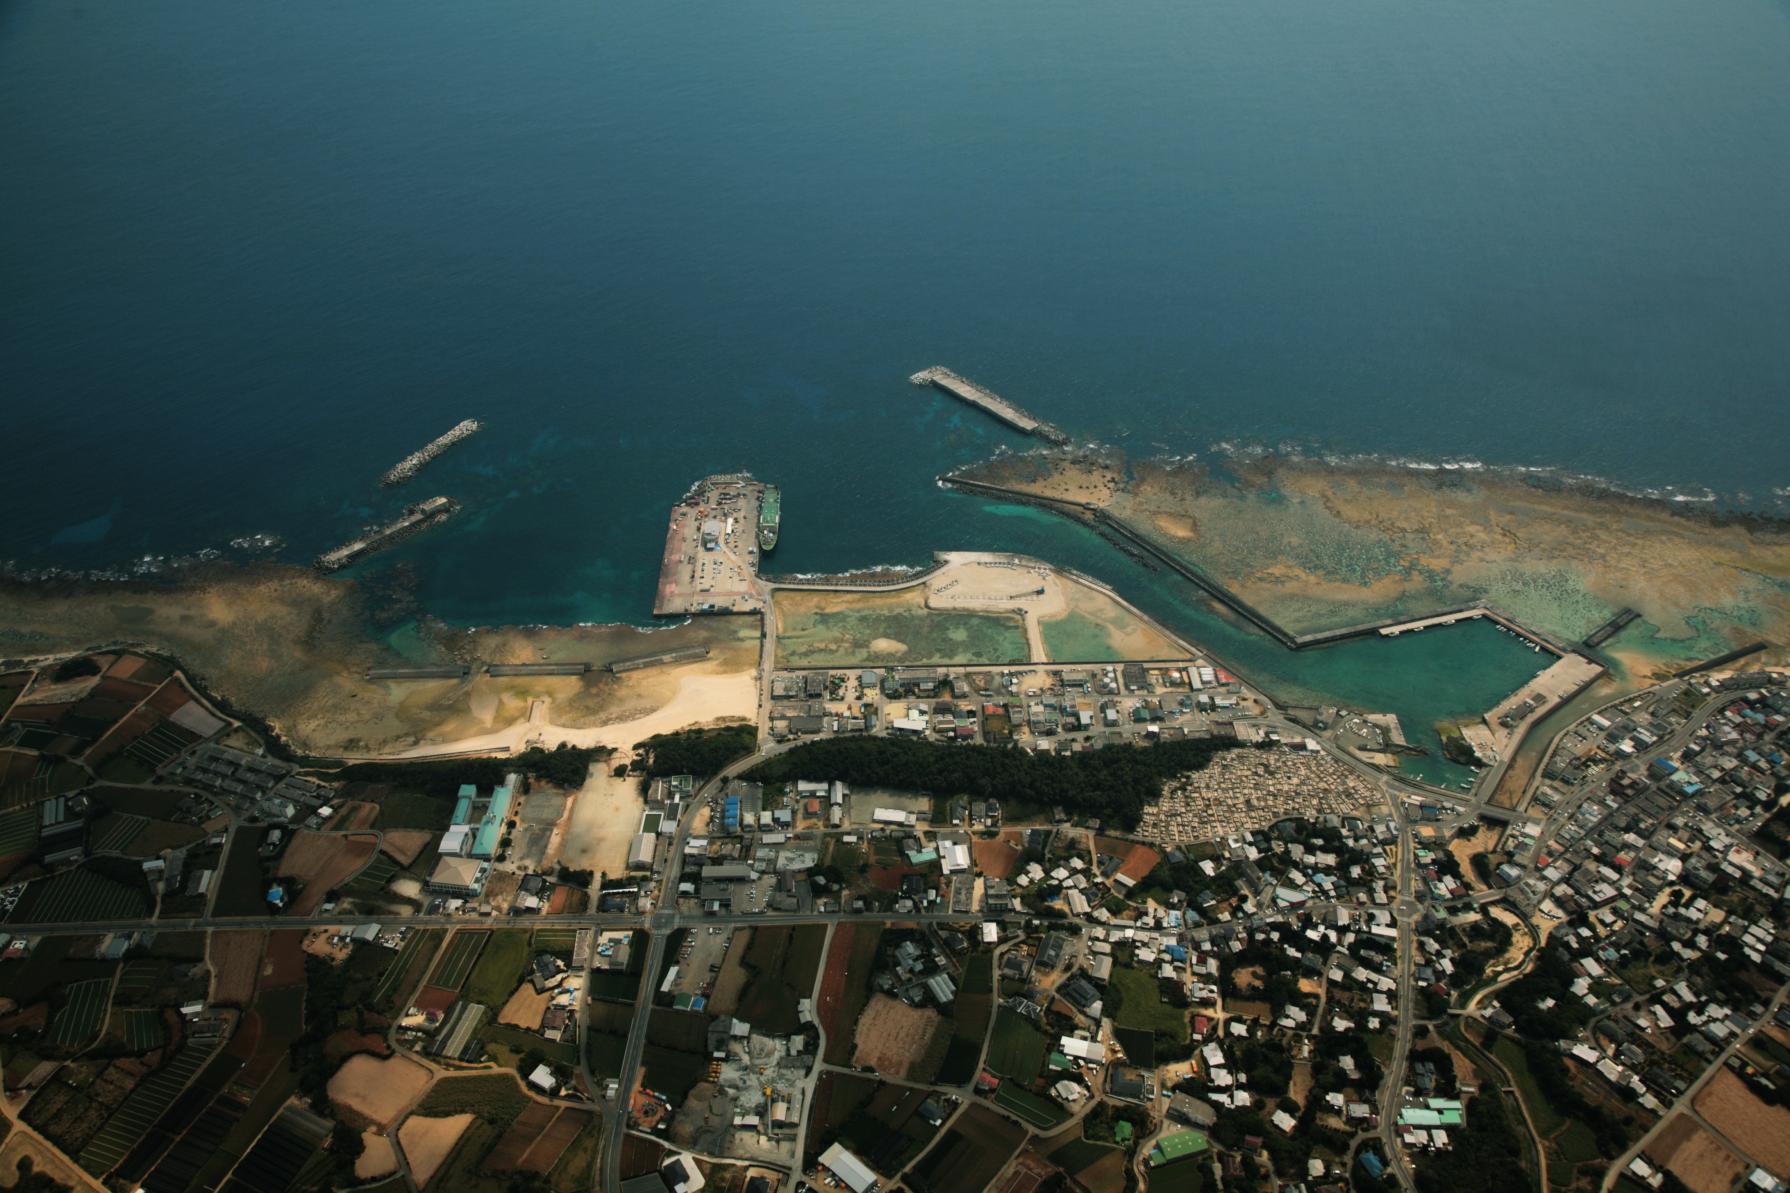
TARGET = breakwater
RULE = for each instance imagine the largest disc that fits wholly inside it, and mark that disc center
(412, 464)
(984, 399)
(417, 517)
(1130, 538)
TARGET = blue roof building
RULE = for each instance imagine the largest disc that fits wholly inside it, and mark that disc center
(490, 830)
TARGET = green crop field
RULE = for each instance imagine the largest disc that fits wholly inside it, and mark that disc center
(417, 948)
(1028, 1107)
(499, 969)
(1141, 1005)
(79, 1018)
(138, 978)
(142, 1029)
(80, 894)
(141, 1109)
(458, 959)
(1016, 1049)
(373, 877)
(18, 831)
(555, 940)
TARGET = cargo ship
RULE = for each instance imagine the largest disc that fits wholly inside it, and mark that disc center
(770, 517)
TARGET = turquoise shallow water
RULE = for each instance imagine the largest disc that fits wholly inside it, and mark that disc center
(266, 250)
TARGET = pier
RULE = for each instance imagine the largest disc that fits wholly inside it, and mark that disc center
(412, 464)
(986, 400)
(420, 516)
(686, 654)
(710, 562)
(460, 671)
(1610, 628)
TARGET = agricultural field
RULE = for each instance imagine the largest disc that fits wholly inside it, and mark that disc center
(877, 1121)
(100, 889)
(77, 1021)
(1028, 1107)
(1731, 1108)
(241, 888)
(139, 1112)
(967, 1157)
(497, 1097)
(459, 958)
(1016, 1049)
(318, 863)
(499, 969)
(783, 963)
(538, 1139)
(676, 1055)
(140, 1029)
(407, 968)
(970, 1015)
(842, 997)
(235, 960)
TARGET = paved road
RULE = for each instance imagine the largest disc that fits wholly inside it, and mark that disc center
(1407, 911)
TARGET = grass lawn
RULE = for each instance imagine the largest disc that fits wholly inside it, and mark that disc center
(1141, 1005)
(1510, 1054)
(499, 969)
(1078, 1154)
(404, 809)
(1577, 1143)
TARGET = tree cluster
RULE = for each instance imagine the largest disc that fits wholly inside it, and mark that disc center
(1113, 783)
(699, 752)
(562, 766)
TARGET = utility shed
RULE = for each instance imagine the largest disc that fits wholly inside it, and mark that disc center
(854, 1172)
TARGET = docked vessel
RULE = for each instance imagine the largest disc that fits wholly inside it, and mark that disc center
(770, 517)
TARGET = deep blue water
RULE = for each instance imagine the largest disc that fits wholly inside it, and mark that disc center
(254, 253)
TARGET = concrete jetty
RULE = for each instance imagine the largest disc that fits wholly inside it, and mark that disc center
(664, 658)
(965, 390)
(448, 671)
(1610, 628)
(420, 516)
(412, 464)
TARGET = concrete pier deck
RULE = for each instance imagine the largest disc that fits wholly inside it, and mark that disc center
(710, 563)
(986, 400)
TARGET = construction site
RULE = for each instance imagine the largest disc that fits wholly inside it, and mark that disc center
(751, 1106)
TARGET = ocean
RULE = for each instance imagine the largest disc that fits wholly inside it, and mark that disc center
(254, 254)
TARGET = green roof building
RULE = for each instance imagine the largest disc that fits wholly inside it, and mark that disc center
(1177, 1145)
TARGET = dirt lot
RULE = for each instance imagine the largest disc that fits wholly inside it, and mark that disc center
(605, 815)
(381, 1090)
(1763, 1131)
(997, 858)
(524, 1007)
(378, 1158)
(405, 845)
(1695, 1156)
(427, 1142)
(323, 861)
(20, 1146)
(1137, 859)
(892, 1035)
(235, 959)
